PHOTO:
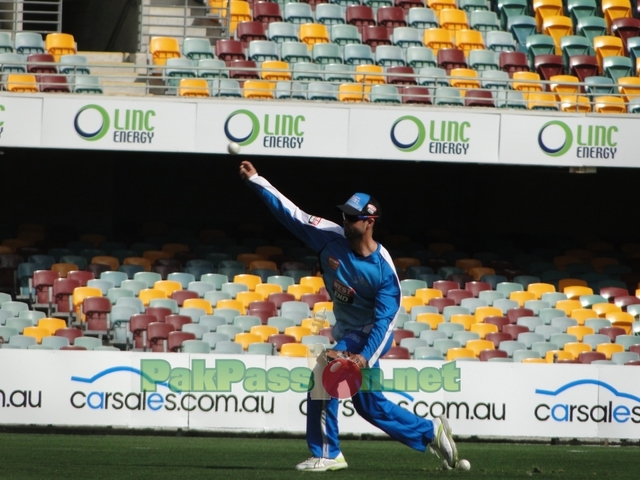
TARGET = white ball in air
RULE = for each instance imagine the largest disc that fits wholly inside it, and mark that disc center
(233, 148)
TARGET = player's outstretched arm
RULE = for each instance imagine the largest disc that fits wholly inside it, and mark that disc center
(247, 170)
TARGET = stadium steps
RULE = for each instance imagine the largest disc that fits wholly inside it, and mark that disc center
(118, 75)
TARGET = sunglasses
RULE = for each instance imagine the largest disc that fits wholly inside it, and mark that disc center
(356, 218)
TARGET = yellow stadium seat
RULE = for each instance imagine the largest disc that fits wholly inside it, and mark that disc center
(298, 290)
(467, 40)
(370, 75)
(539, 288)
(153, 255)
(478, 272)
(544, 9)
(574, 292)
(167, 286)
(454, 353)
(249, 258)
(602, 309)
(264, 331)
(408, 302)
(479, 345)
(239, 11)
(542, 101)
(612, 9)
(467, 263)
(294, 350)
(316, 283)
(463, 319)
(145, 263)
(148, 294)
(567, 306)
(297, 331)
(609, 104)
(438, 5)
(552, 355)
(36, 332)
(433, 319)
(629, 87)
(312, 33)
(246, 338)
(568, 282)
(248, 279)
(581, 314)
(452, 19)
(163, 48)
(599, 263)
(486, 311)
(52, 324)
(58, 44)
(522, 296)
(247, 297)
(576, 348)
(402, 263)
(464, 79)
(266, 289)
(79, 294)
(609, 348)
(319, 306)
(575, 103)
(437, 38)
(426, 294)
(557, 27)
(308, 323)
(351, 92)
(579, 331)
(621, 319)
(483, 328)
(230, 303)
(112, 262)
(258, 89)
(526, 82)
(275, 70)
(218, 8)
(193, 87)
(533, 360)
(21, 83)
(563, 84)
(607, 45)
(198, 303)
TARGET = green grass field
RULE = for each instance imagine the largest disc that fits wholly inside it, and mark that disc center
(52, 456)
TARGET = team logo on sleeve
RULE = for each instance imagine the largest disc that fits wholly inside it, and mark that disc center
(342, 292)
(333, 262)
(313, 220)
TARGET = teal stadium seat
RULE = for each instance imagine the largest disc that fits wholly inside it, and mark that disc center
(294, 52)
(472, 5)
(616, 67)
(482, 60)
(344, 35)
(324, 53)
(406, 37)
(357, 54)
(591, 27)
(448, 96)
(286, 89)
(384, 94)
(433, 77)
(329, 14)
(6, 44)
(322, 91)
(420, 57)
(196, 49)
(574, 45)
(280, 32)
(26, 43)
(389, 56)
(484, 22)
(522, 26)
(581, 8)
(262, 50)
(298, 13)
(422, 18)
(510, 8)
(307, 72)
(539, 44)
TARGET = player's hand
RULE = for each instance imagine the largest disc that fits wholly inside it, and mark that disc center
(357, 359)
(247, 170)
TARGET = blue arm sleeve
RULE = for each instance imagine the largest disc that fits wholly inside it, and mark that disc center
(313, 231)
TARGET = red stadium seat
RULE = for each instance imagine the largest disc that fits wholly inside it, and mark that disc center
(175, 339)
(397, 352)
(266, 12)
(511, 62)
(479, 98)
(228, 50)
(360, 16)
(177, 321)
(450, 58)
(158, 336)
(583, 66)
(416, 95)
(400, 75)
(374, 36)
(548, 65)
(249, 31)
(391, 17)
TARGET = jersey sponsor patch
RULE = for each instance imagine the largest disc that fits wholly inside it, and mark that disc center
(342, 292)
(333, 262)
(313, 220)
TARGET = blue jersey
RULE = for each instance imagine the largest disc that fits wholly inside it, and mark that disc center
(365, 291)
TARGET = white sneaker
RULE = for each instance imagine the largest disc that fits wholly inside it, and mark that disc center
(320, 464)
(443, 445)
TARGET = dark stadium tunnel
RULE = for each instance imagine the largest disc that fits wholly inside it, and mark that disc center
(75, 191)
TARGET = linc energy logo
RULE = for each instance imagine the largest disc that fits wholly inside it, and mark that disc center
(93, 122)
(445, 137)
(624, 407)
(593, 141)
(279, 131)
